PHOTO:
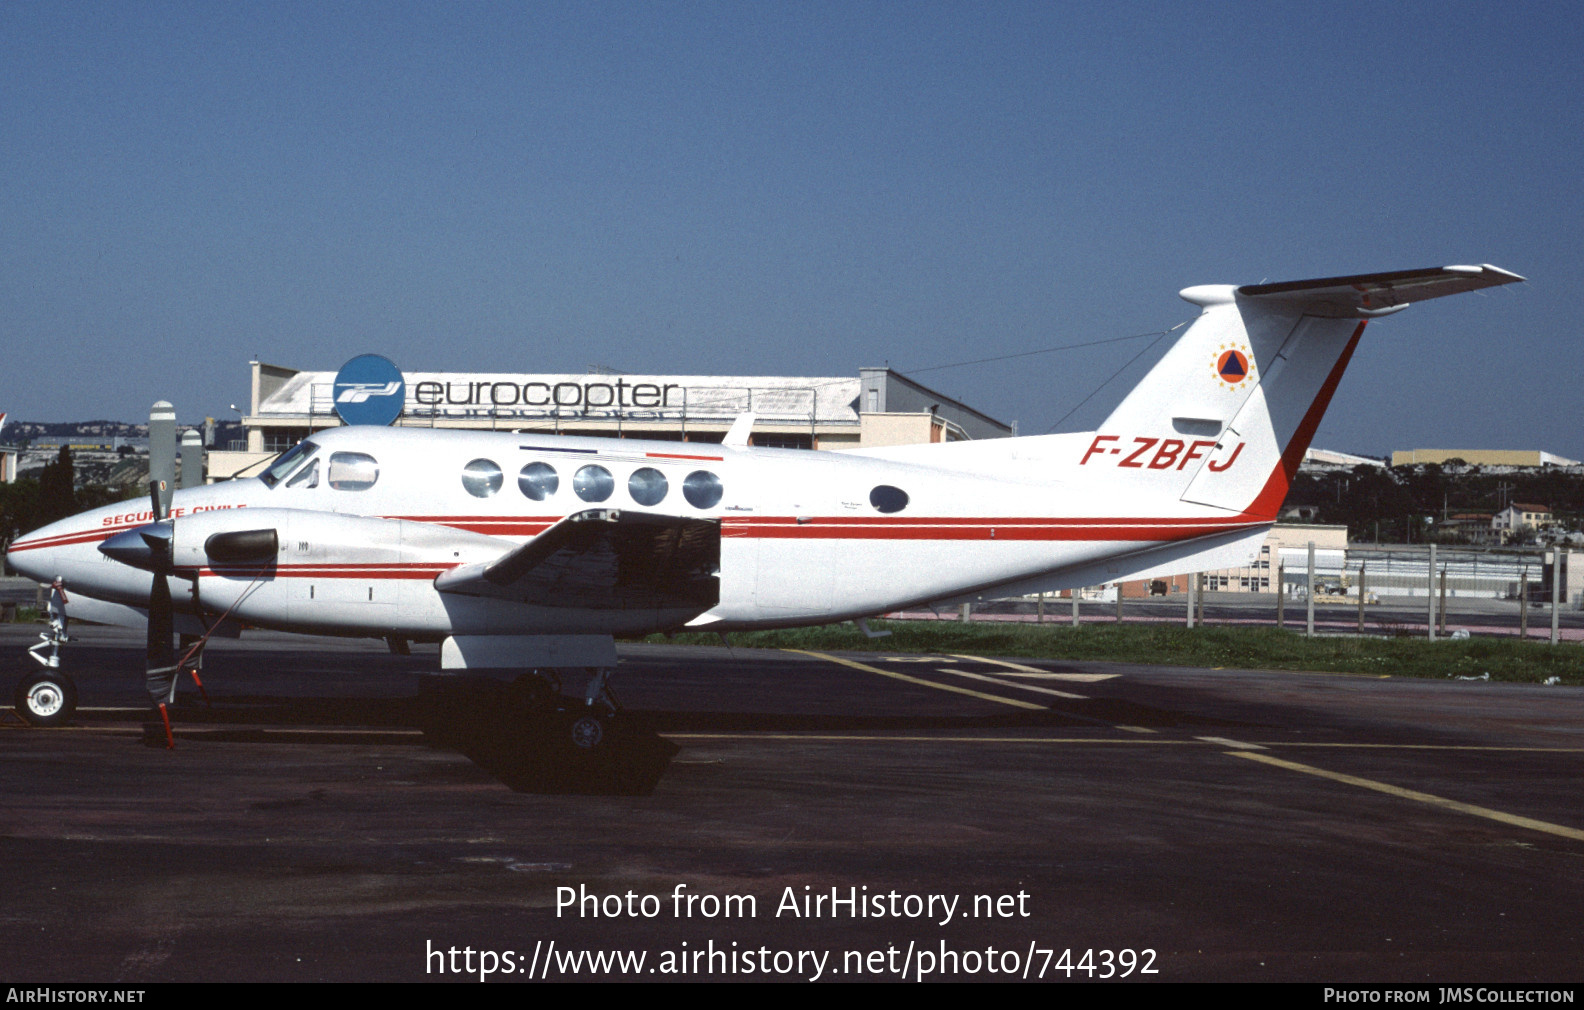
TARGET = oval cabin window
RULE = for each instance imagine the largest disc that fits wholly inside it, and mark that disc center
(538, 481)
(482, 478)
(886, 498)
(593, 483)
(647, 486)
(702, 489)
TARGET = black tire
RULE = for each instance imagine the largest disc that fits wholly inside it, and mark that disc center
(46, 699)
(589, 732)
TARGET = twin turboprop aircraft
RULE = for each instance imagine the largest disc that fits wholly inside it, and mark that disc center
(532, 551)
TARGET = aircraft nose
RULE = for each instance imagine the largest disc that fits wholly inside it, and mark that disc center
(146, 547)
(39, 554)
(26, 562)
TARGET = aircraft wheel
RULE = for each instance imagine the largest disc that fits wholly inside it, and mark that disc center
(590, 732)
(46, 699)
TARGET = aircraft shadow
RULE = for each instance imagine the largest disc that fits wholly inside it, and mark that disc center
(531, 751)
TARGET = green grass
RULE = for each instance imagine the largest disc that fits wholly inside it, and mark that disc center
(1245, 648)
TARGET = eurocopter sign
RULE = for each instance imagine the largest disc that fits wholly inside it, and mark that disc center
(369, 390)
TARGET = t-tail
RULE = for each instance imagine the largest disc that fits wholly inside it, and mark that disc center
(1224, 419)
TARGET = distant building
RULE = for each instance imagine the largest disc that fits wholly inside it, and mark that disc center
(1321, 460)
(1481, 457)
(873, 408)
(1469, 528)
(8, 465)
(90, 443)
(1519, 518)
(1286, 547)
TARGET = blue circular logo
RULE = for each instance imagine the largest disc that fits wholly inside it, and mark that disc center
(369, 390)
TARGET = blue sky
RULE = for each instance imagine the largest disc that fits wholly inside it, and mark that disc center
(797, 189)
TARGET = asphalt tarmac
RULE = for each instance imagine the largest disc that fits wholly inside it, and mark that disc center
(337, 815)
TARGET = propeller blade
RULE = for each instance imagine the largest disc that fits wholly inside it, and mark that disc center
(160, 507)
(161, 674)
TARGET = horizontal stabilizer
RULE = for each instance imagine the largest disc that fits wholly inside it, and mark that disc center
(1364, 295)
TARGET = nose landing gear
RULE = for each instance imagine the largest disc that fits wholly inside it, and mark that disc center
(48, 698)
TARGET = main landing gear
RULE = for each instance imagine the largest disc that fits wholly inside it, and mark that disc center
(536, 734)
(586, 725)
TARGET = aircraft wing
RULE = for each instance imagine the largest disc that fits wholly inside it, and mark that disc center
(604, 559)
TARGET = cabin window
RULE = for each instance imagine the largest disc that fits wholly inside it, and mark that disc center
(353, 471)
(287, 463)
(647, 486)
(886, 498)
(482, 478)
(308, 476)
(593, 483)
(538, 481)
(702, 489)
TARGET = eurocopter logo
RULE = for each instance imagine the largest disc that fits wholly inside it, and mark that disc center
(369, 390)
(359, 392)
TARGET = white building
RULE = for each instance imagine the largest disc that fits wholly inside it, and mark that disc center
(1519, 518)
(875, 407)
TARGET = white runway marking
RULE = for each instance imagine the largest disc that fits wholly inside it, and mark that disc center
(1222, 741)
(1013, 684)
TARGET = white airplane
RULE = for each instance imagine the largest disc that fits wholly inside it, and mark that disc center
(531, 551)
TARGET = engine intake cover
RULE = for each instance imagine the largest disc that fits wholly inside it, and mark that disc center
(242, 546)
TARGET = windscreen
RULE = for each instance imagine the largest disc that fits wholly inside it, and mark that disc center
(288, 462)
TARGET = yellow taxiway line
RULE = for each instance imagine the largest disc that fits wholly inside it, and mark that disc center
(1014, 702)
(1413, 794)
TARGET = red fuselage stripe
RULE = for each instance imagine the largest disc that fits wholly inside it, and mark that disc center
(66, 539)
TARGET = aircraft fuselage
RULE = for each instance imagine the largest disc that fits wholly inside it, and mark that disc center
(805, 537)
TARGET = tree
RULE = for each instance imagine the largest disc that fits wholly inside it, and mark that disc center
(19, 509)
(57, 494)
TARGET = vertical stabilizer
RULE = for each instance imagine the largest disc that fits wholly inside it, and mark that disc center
(1225, 417)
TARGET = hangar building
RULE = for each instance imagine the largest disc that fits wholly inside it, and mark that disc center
(875, 407)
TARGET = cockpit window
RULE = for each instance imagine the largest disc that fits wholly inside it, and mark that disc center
(308, 476)
(353, 471)
(288, 462)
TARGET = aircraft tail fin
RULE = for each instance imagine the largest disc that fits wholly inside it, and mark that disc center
(1226, 415)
